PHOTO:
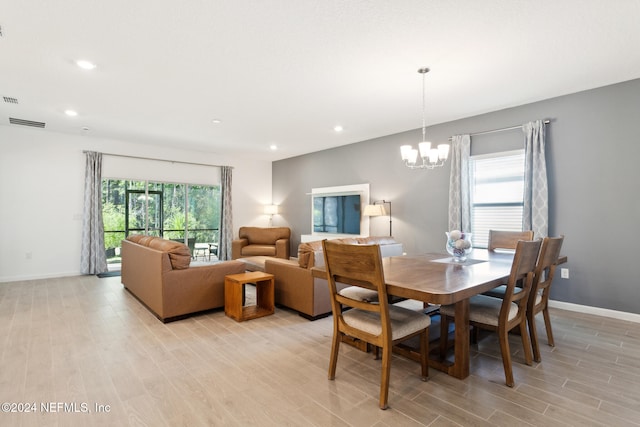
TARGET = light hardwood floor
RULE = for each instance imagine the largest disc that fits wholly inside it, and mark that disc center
(86, 341)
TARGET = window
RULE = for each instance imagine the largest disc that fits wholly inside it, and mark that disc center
(497, 194)
(169, 210)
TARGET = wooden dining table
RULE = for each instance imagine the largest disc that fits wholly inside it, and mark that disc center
(436, 278)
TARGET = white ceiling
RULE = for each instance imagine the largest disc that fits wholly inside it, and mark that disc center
(285, 72)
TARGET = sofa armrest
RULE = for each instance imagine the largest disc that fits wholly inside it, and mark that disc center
(236, 247)
(293, 284)
(298, 289)
(142, 272)
(288, 272)
(282, 248)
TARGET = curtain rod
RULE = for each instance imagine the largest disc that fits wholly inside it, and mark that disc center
(545, 121)
(158, 160)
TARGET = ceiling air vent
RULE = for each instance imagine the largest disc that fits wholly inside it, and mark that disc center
(10, 100)
(23, 122)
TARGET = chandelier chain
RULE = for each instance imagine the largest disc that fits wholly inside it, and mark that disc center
(424, 108)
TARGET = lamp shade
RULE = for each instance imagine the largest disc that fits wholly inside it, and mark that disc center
(271, 209)
(374, 210)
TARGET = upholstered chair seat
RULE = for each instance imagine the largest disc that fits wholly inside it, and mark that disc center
(484, 309)
(403, 321)
(359, 294)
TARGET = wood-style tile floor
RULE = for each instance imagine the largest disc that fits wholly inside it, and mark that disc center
(84, 347)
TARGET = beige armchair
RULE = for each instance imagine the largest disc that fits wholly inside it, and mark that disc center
(254, 241)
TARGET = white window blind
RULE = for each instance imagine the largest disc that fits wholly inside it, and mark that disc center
(497, 194)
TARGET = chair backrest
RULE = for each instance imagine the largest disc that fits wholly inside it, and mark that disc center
(522, 270)
(499, 239)
(545, 269)
(357, 265)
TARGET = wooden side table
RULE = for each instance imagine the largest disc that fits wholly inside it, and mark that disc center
(265, 300)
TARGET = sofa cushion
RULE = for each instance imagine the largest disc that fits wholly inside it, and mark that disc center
(348, 241)
(374, 240)
(179, 253)
(303, 258)
(135, 238)
(144, 240)
(306, 253)
(254, 250)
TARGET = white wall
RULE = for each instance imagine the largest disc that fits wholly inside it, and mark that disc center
(41, 192)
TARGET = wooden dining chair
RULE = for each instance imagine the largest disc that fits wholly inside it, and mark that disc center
(505, 240)
(501, 239)
(377, 323)
(539, 295)
(502, 314)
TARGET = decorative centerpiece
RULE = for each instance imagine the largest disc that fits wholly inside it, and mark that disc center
(458, 245)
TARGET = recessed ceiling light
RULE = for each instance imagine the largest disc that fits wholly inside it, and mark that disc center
(273, 147)
(216, 121)
(85, 65)
(338, 128)
(71, 113)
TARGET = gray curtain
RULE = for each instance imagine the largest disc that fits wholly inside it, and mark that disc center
(226, 224)
(536, 203)
(459, 184)
(93, 259)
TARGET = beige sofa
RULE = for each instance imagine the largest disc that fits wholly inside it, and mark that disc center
(295, 286)
(158, 273)
(256, 241)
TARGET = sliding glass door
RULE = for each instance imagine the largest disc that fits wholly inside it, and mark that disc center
(183, 212)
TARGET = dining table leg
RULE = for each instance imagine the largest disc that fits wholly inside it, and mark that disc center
(460, 366)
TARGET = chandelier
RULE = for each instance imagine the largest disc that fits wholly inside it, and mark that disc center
(431, 158)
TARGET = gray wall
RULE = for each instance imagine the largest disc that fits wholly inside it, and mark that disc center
(592, 155)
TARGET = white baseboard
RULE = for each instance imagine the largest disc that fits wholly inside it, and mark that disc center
(621, 315)
(8, 279)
